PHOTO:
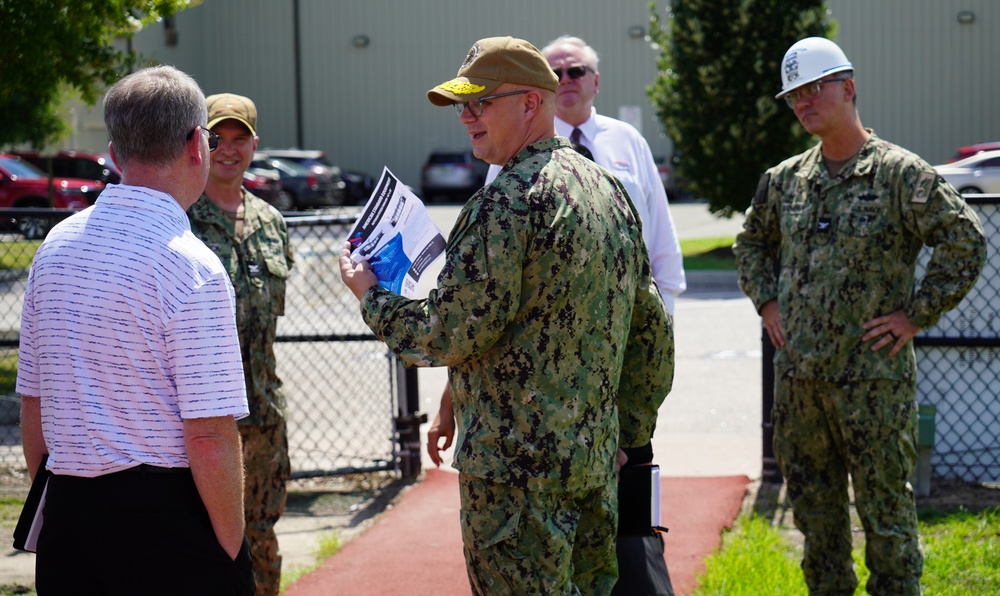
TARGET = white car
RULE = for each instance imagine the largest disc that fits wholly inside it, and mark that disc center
(977, 174)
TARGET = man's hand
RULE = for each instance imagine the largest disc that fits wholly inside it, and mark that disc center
(216, 458)
(895, 329)
(772, 323)
(442, 427)
(356, 277)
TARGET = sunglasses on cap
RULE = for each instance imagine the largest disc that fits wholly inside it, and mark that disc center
(574, 72)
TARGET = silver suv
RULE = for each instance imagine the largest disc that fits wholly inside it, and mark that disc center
(452, 176)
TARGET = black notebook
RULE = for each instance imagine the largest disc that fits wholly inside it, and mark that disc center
(29, 524)
(639, 501)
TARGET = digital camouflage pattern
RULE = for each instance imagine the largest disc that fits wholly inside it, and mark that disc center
(648, 374)
(519, 541)
(258, 263)
(847, 247)
(531, 314)
(265, 456)
(823, 431)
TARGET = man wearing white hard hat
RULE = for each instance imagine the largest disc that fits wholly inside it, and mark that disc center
(846, 220)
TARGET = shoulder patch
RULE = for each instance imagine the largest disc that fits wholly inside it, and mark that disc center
(760, 195)
(922, 187)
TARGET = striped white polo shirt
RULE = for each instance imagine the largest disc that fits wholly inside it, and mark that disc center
(128, 327)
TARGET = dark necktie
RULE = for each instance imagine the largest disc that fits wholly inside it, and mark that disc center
(574, 138)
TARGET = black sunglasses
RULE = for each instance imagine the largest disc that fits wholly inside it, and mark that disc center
(213, 138)
(574, 72)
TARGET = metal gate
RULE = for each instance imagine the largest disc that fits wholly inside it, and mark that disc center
(351, 406)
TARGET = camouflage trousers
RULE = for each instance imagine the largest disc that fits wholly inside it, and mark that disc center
(868, 429)
(265, 455)
(520, 541)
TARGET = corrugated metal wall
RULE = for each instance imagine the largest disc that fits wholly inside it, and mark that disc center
(925, 81)
(367, 107)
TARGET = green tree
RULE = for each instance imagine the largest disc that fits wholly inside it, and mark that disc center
(51, 48)
(719, 69)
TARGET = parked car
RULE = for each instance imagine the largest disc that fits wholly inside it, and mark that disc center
(974, 175)
(359, 186)
(672, 183)
(452, 175)
(315, 160)
(22, 185)
(970, 150)
(307, 188)
(266, 184)
(76, 164)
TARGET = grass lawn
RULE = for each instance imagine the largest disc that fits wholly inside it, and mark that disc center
(18, 254)
(961, 557)
(709, 254)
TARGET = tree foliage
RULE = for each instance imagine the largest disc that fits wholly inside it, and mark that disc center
(719, 69)
(53, 47)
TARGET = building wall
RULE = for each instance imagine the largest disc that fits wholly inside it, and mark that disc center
(925, 81)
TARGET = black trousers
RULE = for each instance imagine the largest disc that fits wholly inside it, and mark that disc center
(133, 532)
(641, 568)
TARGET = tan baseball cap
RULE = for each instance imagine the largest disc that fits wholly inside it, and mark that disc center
(490, 63)
(225, 106)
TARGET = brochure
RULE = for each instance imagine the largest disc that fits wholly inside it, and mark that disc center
(29, 523)
(639, 501)
(395, 234)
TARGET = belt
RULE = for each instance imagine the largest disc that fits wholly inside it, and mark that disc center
(148, 469)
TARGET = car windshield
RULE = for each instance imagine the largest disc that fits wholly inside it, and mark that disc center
(21, 169)
(288, 166)
(980, 160)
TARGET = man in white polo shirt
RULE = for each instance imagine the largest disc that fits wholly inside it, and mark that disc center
(130, 370)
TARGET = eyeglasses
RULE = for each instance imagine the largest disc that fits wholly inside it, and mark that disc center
(213, 138)
(574, 72)
(808, 91)
(481, 103)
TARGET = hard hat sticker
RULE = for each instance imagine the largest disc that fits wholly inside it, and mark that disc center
(792, 67)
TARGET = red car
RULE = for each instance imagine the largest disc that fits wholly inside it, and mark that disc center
(75, 164)
(970, 150)
(22, 185)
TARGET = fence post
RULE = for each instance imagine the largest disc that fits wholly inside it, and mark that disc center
(408, 421)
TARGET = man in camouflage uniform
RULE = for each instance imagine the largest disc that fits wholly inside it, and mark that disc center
(251, 239)
(845, 221)
(544, 293)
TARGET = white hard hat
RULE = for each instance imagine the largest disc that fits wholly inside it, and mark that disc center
(809, 60)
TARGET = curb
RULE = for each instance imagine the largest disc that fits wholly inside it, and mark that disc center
(711, 281)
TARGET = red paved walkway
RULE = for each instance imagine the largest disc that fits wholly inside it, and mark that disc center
(415, 548)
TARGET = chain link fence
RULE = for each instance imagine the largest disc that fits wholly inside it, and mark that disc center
(958, 364)
(347, 395)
